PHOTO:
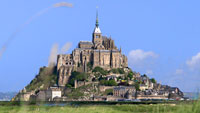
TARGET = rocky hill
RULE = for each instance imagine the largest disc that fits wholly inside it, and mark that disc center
(96, 70)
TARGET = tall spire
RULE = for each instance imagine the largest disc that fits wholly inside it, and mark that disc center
(97, 20)
(97, 29)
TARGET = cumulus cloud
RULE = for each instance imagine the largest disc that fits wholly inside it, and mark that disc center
(143, 61)
(187, 77)
(138, 56)
(194, 62)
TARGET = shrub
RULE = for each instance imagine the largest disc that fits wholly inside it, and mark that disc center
(108, 92)
(153, 80)
(108, 82)
(145, 75)
(77, 76)
(130, 74)
(68, 85)
(118, 71)
(100, 70)
(137, 86)
(46, 77)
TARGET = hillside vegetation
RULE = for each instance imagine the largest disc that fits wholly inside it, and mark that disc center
(47, 77)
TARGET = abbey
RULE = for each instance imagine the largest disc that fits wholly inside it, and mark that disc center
(100, 52)
(98, 71)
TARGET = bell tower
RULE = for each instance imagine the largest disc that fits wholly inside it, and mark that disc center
(97, 36)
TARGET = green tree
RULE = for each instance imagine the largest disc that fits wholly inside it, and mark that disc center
(102, 82)
(112, 83)
(145, 75)
(77, 76)
(118, 71)
(100, 70)
(130, 74)
(108, 82)
(153, 80)
(68, 85)
(137, 86)
(121, 70)
(114, 71)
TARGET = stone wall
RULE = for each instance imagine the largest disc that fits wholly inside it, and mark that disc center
(104, 88)
(152, 97)
(63, 75)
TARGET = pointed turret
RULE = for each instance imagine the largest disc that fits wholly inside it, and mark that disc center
(97, 37)
(97, 29)
(97, 20)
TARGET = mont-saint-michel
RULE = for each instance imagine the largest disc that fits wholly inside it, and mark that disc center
(96, 70)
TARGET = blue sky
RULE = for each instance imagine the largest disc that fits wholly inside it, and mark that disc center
(160, 37)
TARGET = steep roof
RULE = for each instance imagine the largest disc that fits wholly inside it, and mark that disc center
(97, 30)
(86, 42)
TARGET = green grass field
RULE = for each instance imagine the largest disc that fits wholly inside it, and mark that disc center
(155, 108)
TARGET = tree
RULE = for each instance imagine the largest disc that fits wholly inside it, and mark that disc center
(137, 86)
(77, 76)
(130, 74)
(102, 82)
(100, 70)
(114, 71)
(108, 82)
(153, 80)
(112, 83)
(121, 70)
(145, 75)
(118, 71)
(68, 85)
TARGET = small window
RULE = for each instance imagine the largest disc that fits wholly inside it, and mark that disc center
(97, 36)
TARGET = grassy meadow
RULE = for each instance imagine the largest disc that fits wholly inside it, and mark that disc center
(192, 107)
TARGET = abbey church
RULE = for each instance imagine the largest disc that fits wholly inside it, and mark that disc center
(101, 51)
(98, 71)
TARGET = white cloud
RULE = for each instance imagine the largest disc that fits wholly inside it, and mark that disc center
(142, 61)
(194, 62)
(138, 56)
(187, 77)
(149, 72)
(179, 71)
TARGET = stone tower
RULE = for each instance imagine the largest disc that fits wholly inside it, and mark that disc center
(97, 36)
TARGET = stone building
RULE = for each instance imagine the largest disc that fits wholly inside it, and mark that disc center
(124, 91)
(49, 94)
(100, 52)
